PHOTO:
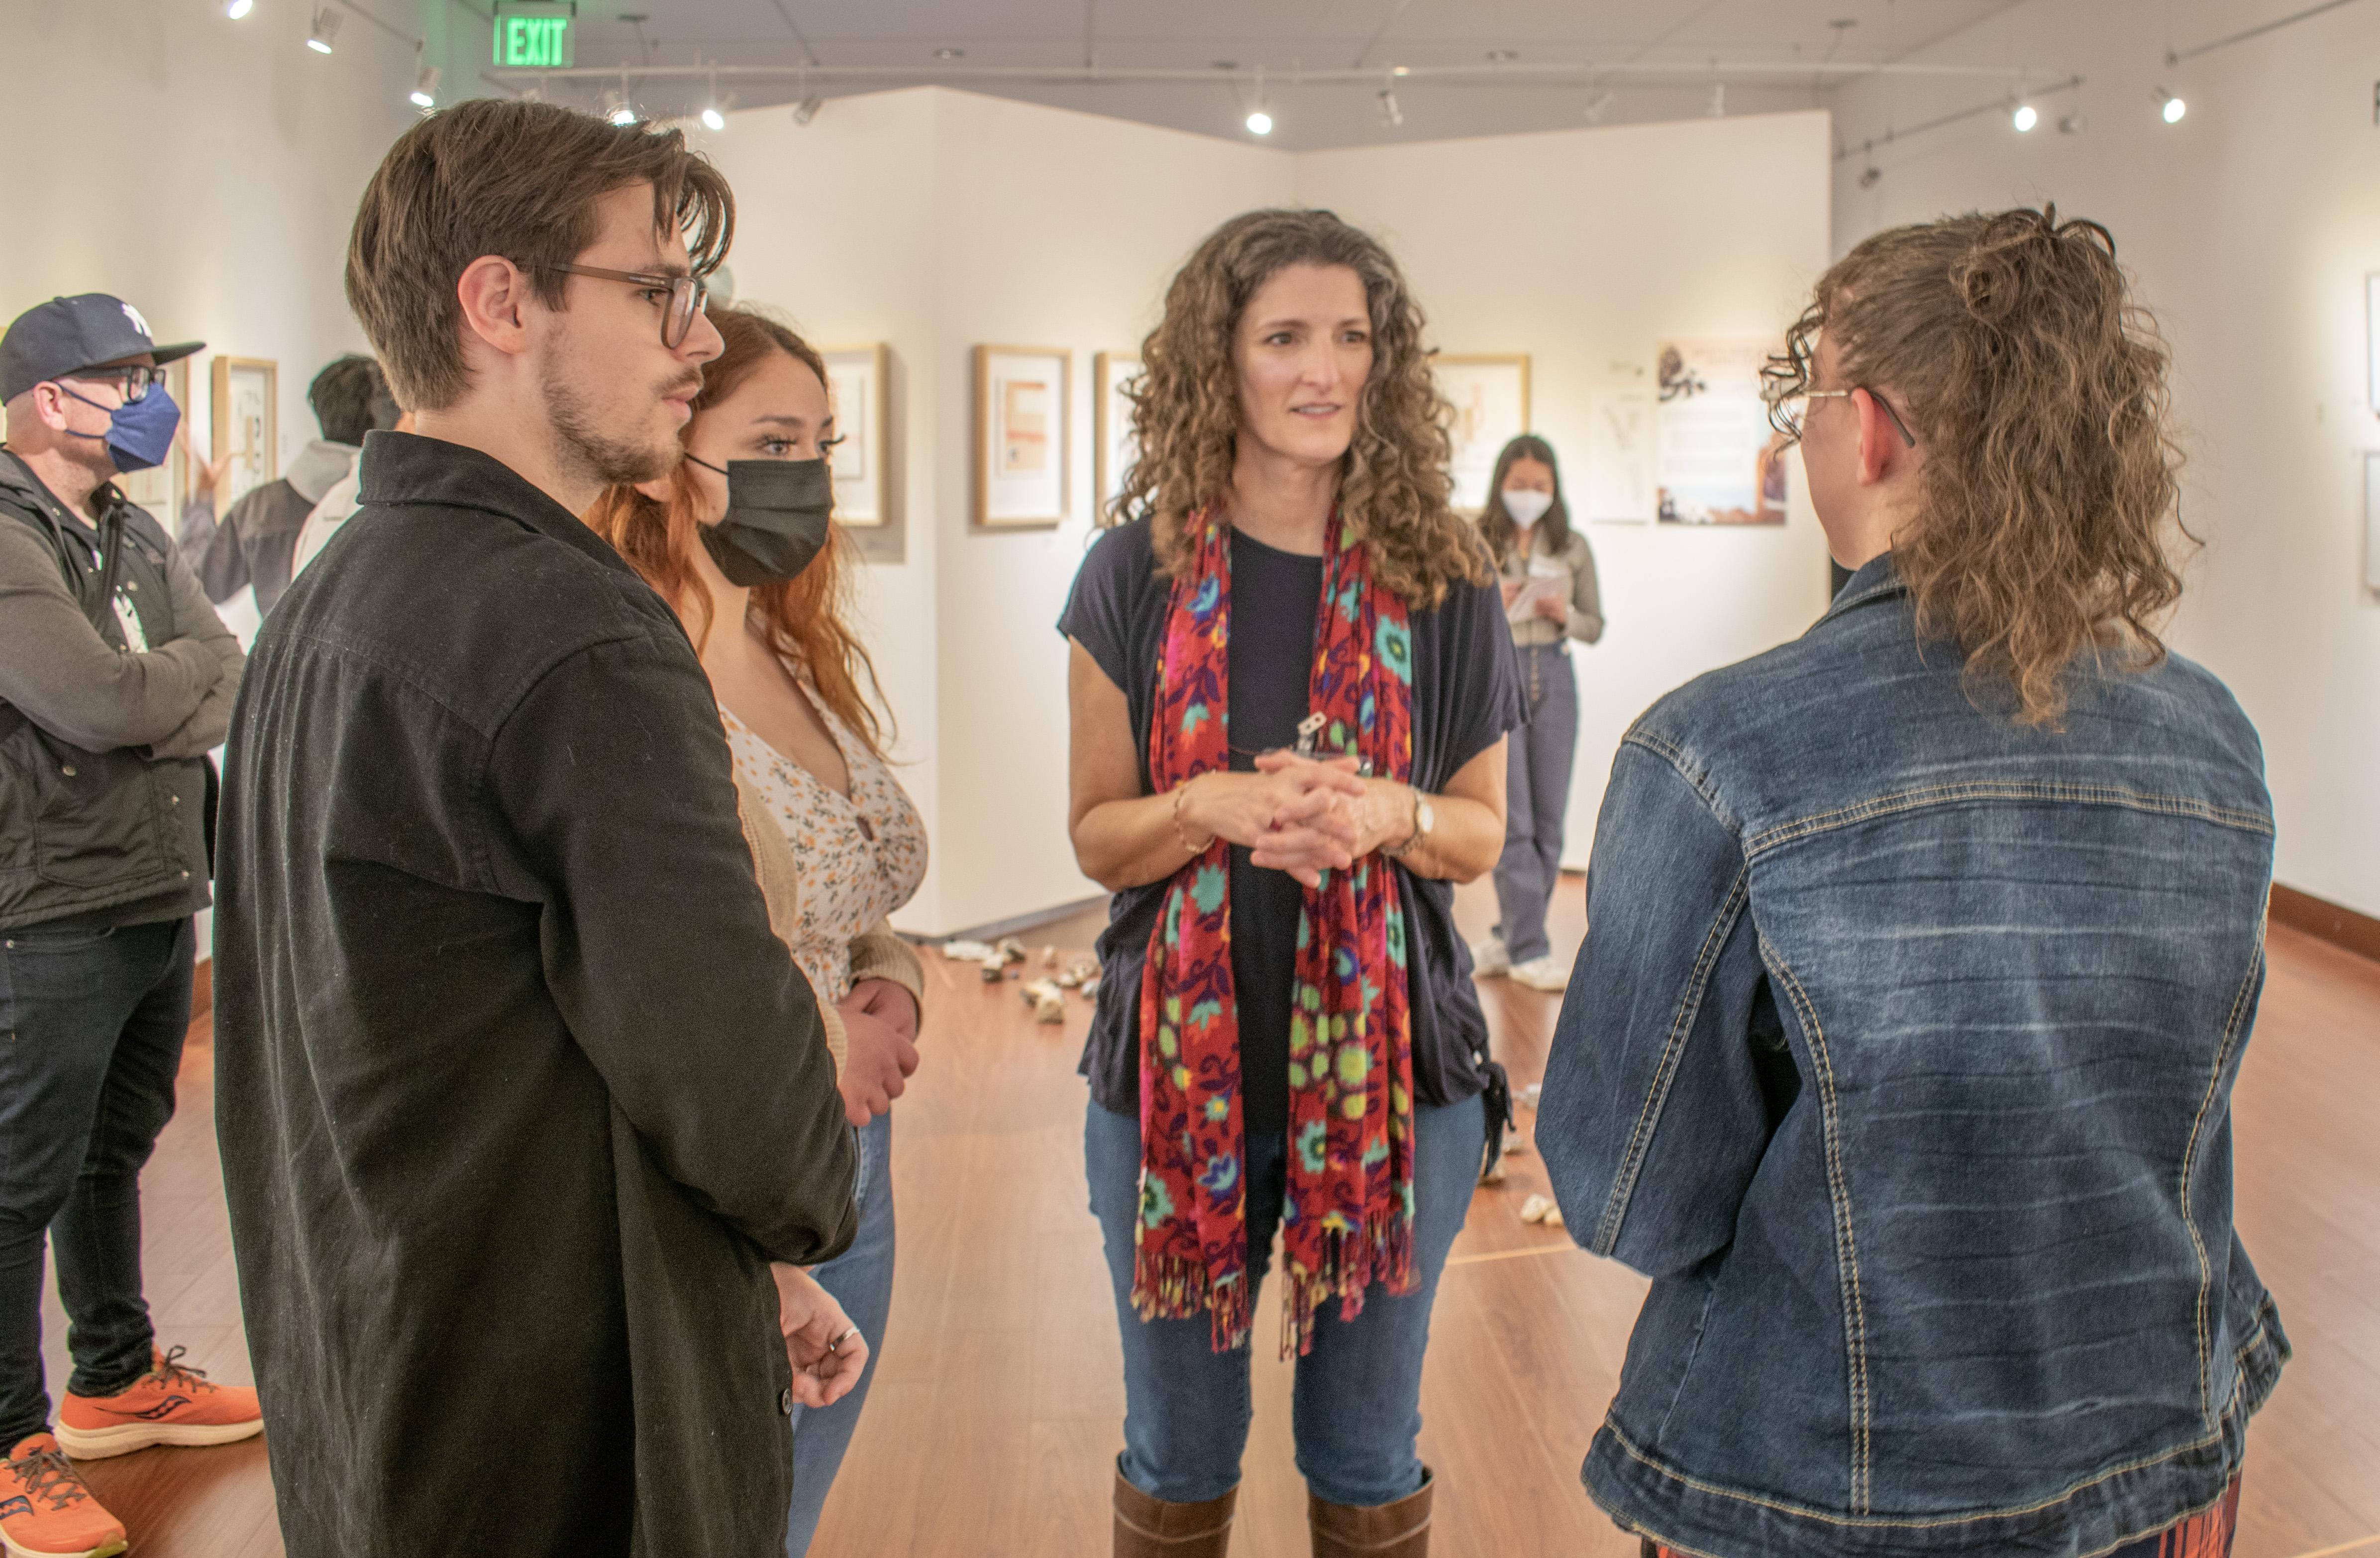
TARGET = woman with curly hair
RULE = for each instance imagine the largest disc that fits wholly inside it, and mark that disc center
(1921, 953)
(1291, 683)
(737, 539)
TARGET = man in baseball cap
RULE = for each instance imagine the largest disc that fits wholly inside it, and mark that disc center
(116, 679)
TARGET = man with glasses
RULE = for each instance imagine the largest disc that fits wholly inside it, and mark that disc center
(521, 1097)
(116, 677)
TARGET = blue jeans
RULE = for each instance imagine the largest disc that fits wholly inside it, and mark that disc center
(1357, 1406)
(1536, 799)
(861, 1280)
(91, 1038)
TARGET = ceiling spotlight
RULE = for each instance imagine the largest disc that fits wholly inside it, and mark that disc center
(712, 119)
(950, 53)
(1389, 112)
(238, 8)
(425, 87)
(325, 28)
(1597, 105)
(2072, 124)
(2172, 107)
(1259, 123)
(1867, 180)
(617, 109)
(806, 109)
(1718, 100)
(1502, 56)
(2026, 118)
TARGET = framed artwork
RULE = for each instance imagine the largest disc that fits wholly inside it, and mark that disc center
(2371, 333)
(857, 379)
(247, 425)
(1021, 447)
(2372, 522)
(161, 489)
(1491, 407)
(1717, 460)
(1113, 448)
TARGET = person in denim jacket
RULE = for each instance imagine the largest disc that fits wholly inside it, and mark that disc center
(1923, 953)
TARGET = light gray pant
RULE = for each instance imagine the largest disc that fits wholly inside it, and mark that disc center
(1537, 794)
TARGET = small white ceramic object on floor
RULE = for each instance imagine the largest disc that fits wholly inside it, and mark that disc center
(1541, 973)
(1489, 958)
(1541, 1209)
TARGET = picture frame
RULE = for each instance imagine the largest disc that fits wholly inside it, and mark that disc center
(2371, 521)
(2372, 335)
(244, 412)
(1023, 446)
(1489, 393)
(162, 488)
(859, 380)
(1113, 445)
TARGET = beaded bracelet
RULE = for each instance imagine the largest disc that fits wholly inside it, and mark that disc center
(1180, 792)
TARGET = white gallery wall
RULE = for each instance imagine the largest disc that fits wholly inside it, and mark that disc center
(2252, 225)
(937, 221)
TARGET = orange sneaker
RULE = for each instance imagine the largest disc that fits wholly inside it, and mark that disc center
(45, 1512)
(170, 1404)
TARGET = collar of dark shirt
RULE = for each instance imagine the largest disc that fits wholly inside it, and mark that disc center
(1875, 578)
(399, 469)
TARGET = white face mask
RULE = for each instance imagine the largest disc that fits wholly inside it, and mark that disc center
(1526, 505)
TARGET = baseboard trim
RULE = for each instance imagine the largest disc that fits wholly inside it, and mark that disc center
(2323, 920)
(1015, 924)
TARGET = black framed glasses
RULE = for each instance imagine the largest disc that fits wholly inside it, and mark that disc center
(133, 381)
(1786, 412)
(687, 297)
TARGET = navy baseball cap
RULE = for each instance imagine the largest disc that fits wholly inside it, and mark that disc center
(65, 335)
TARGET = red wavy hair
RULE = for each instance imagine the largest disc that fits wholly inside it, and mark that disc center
(804, 619)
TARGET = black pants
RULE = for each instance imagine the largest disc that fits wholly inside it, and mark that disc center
(91, 1038)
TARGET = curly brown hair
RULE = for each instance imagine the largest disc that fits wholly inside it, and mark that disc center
(1393, 486)
(806, 618)
(2035, 383)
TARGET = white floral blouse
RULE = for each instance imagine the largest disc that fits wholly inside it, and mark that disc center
(858, 859)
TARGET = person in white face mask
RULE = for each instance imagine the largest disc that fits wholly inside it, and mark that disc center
(1549, 598)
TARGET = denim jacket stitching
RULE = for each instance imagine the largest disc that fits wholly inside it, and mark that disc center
(2189, 1160)
(1872, 1522)
(1675, 756)
(1846, 1238)
(1657, 1093)
(1998, 789)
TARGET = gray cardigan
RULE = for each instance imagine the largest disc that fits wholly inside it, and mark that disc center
(1586, 620)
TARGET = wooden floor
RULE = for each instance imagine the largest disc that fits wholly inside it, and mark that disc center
(994, 1420)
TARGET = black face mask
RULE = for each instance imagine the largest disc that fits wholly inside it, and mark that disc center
(776, 521)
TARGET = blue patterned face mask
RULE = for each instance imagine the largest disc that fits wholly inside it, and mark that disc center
(140, 433)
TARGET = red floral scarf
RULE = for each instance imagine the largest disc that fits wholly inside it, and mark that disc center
(1349, 1211)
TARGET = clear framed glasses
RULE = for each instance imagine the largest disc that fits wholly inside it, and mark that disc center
(133, 381)
(1787, 412)
(686, 295)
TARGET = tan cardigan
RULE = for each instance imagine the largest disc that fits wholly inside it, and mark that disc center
(877, 953)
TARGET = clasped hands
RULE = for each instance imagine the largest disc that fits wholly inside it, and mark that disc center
(1295, 814)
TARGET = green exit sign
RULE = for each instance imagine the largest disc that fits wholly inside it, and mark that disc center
(532, 36)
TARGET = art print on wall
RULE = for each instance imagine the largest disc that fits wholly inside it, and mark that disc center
(1619, 486)
(1718, 460)
(2371, 333)
(245, 411)
(1021, 447)
(162, 488)
(2372, 522)
(1113, 445)
(1490, 399)
(859, 464)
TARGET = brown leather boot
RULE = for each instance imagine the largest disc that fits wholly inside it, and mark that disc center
(1148, 1528)
(1386, 1531)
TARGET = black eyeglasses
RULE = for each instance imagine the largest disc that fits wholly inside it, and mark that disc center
(686, 295)
(132, 382)
(1787, 420)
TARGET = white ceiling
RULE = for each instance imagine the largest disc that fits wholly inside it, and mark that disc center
(1479, 67)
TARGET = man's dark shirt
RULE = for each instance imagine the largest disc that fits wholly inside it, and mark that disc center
(517, 1093)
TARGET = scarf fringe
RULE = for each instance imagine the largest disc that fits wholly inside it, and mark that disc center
(1350, 1262)
(1176, 1287)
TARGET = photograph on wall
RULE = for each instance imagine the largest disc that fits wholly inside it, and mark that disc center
(1618, 486)
(1490, 399)
(1020, 434)
(856, 380)
(1113, 448)
(1718, 461)
(2372, 522)
(162, 488)
(244, 409)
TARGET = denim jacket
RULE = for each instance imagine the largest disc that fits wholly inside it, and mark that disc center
(1899, 1056)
